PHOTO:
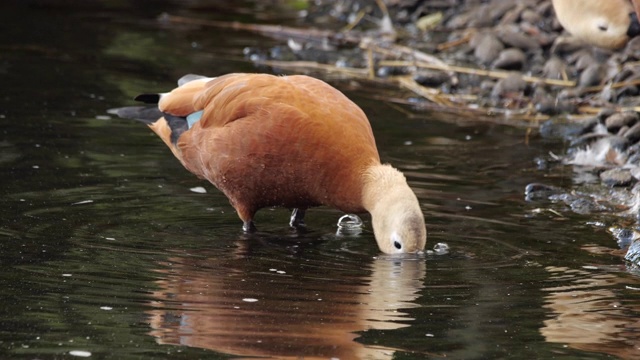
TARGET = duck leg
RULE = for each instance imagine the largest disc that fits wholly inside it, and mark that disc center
(248, 226)
(245, 213)
(297, 218)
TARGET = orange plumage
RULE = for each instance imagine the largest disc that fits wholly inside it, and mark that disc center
(291, 141)
(608, 24)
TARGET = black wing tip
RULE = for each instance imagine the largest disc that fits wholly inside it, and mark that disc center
(148, 98)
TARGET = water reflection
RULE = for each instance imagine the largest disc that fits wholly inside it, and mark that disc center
(588, 314)
(249, 305)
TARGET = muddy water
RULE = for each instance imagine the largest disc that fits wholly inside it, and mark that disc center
(106, 251)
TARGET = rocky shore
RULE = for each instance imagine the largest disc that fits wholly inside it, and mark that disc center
(509, 57)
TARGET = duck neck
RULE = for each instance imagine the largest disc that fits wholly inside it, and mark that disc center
(381, 184)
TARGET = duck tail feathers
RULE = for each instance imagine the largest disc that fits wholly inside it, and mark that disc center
(145, 114)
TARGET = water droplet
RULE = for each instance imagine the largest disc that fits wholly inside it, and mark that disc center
(441, 249)
(350, 224)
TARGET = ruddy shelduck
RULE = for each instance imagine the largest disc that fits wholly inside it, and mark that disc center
(290, 141)
(604, 23)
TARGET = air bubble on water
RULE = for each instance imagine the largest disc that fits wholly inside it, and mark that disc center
(199, 190)
(441, 249)
(350, 224)
(79, 353)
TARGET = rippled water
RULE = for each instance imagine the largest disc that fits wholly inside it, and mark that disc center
(107, 252)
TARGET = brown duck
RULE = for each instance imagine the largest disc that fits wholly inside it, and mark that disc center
(290, 141)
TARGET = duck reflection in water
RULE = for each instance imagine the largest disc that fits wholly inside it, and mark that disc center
(250, 306)
(587, 314)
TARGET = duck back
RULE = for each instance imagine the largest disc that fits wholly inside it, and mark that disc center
(265, 140)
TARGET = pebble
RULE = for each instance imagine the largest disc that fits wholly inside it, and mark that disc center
(431, 78)
(566, 45)
(510, 59)
(633, 253)
(591, 76)
(554, 68)
(488, 48)
(617, 177)
(513, 36)
(511, 84)
(551, 106)
(616, 121)
(585, 206)
(530, 16)
(582, 59)
(633, 133)
(481, 18)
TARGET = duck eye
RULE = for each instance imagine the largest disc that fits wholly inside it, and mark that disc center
(603, 27)
(397, 245)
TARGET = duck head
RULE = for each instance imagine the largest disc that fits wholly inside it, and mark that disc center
(607, 24)
(398, 223)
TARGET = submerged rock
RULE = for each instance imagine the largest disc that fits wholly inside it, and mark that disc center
(538, 191)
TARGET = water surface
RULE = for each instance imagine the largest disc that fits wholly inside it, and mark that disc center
(106, 250)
